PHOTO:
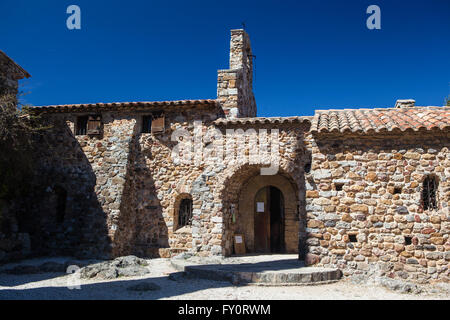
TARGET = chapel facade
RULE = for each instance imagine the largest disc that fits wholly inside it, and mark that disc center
(357, 189)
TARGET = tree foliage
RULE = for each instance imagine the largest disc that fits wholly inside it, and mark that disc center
(19, 128)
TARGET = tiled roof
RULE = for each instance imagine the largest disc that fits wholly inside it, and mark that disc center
(123, 105)
(380, 120)
(263, 120)
(362, 121)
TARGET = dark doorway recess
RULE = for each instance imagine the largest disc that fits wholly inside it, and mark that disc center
(269, 221)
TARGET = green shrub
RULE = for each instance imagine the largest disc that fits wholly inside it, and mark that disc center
(19, 127)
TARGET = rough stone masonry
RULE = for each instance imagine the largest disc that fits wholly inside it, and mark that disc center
(357, 189)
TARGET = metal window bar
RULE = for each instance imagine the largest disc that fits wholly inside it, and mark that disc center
(185, 213)
(429, 193)
(82, 125)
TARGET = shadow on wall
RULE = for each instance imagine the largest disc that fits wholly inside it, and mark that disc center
(141, 228)
(63, 215)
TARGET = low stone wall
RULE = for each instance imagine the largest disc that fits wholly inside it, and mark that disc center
(364, 198)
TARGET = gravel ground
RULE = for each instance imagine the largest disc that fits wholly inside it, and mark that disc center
(53, 286)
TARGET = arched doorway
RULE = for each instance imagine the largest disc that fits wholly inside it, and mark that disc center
(279, 195)
(269, 220)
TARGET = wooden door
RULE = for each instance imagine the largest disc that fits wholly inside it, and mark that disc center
(276, 220)
(262, 221)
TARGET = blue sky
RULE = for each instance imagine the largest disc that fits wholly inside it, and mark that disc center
(309, 54)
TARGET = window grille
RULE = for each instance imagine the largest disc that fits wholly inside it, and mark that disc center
(185, 213)
(82, 125)
(429, 191)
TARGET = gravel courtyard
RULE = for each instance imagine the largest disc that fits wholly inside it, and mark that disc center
(167, 283)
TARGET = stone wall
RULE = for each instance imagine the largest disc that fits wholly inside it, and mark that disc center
(8, 83)
(154, 186)
(124, 187)
(155, 175)
(61, 213)
(10, 73)
(379, 205)
(14, 243)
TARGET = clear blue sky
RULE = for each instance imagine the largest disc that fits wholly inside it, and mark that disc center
(309, 54)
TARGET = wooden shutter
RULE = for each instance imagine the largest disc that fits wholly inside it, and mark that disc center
(158, 124)
(94, 124)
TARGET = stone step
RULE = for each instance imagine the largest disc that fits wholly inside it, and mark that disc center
(265, 273)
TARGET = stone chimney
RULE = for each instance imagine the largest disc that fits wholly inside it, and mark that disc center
(407, 103)
(235, 85)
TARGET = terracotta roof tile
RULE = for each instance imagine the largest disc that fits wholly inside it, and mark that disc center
(363, 121)
(122, 105)
(380, 120)
(263, 120)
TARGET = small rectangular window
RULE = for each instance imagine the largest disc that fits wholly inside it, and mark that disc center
(338, 186)
(82, 125)
(429, 191)
(147, 124)
(307, 167)
(408, 240)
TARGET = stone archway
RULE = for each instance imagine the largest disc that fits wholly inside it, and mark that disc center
(245, 217)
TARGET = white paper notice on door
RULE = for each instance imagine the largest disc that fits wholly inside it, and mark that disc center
(260, 207)
(238, 239)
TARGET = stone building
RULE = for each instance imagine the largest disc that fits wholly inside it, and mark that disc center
(10, 73)
(360, 189)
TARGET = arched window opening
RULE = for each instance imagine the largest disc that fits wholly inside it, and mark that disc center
(308, 161)
(429, 193)
(308, 168)
(61, 202)
(185, 213)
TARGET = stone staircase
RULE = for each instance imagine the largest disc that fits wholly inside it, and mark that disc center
(265, 270)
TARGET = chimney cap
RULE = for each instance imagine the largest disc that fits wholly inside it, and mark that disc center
(405, 103)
